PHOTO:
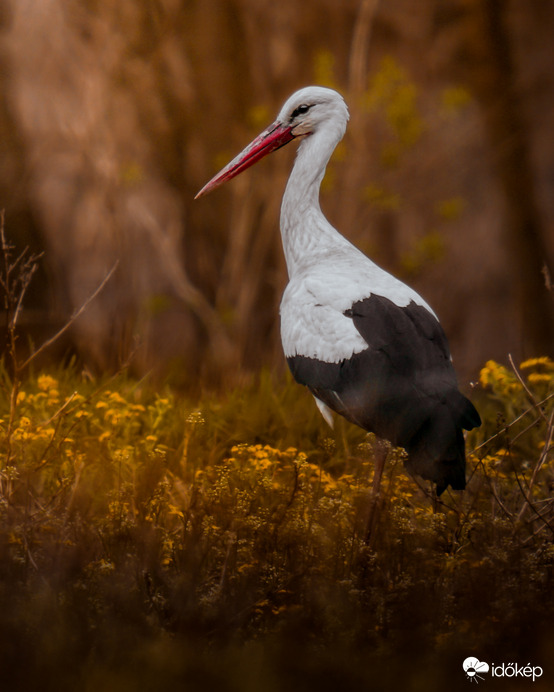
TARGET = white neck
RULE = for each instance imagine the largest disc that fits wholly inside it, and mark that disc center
(304, 229)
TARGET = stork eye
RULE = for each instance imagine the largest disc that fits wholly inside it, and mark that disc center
(300, 110)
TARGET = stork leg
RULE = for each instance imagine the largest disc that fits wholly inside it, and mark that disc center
(381, 451)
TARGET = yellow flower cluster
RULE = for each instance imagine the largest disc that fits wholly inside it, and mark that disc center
(498, 378)
(504, 382)
(265, 459)
(539, 371)
(261, 456)
(47, 383)
(116, 411)
(46, 417)
(47, 395)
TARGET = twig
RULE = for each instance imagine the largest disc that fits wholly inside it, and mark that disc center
(546, 449)
(526, 389)
(500, 503)
(540, 462)
(75, 316)
(527, 497)
(509, 425)
(58, 412)
(534, 534)
(357, 64)
(547, 279)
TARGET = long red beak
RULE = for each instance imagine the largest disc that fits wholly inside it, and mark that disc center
(276, 136)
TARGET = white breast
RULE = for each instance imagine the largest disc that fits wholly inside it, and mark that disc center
(313, 323)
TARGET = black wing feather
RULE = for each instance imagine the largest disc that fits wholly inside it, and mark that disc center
(402, 387)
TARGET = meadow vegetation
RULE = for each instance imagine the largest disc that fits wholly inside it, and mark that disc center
(434, 172)
(148, 540)
(152, 539)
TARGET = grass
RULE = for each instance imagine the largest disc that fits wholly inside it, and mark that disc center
(148, 541)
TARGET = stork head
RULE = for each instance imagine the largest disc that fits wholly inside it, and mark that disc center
(311, 108)
(306, 112)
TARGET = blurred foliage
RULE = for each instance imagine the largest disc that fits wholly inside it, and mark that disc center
(325, 69)
(450, 209)
(149, 540)
(381, 198)
(183, 87)
(429, 249)
(394, 93)
(454, 99)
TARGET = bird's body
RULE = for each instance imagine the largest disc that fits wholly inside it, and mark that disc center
(365, 344)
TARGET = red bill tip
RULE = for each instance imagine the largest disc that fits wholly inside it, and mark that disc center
(276, 136)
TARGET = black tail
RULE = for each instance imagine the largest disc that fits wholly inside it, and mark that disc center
(437, 451)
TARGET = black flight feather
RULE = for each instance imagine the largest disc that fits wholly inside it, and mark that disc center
(402, 387)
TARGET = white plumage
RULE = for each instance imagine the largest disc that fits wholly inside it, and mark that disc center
(313, 322)
(365, 344)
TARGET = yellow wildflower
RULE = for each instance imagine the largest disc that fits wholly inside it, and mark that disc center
(534, 362)
(116, 398)
(46, 383)
(539, 378)
(195, 418)
(499, 379)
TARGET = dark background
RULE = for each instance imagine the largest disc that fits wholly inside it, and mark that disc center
(113, 114)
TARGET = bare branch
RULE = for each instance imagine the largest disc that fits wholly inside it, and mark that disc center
(509, 425)
(528, 392)
(71, 320)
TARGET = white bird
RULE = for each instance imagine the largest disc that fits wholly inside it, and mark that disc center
(366, 345)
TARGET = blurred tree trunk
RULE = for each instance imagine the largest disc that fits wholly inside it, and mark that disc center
(91, 125)
(493, 78)
(115, 114)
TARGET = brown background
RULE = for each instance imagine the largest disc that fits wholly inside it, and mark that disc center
(113, 114)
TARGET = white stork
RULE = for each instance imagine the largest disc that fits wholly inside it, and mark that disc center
(366, 345)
